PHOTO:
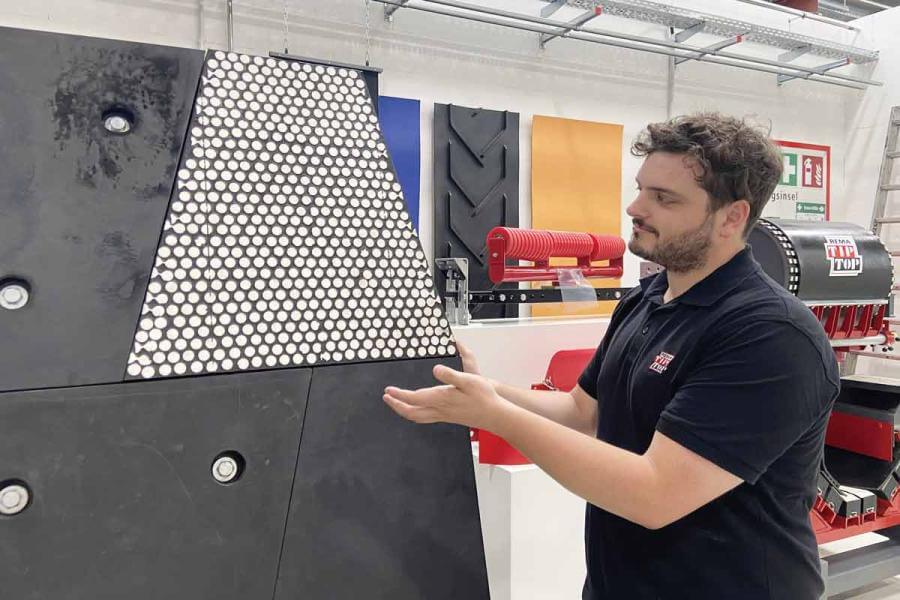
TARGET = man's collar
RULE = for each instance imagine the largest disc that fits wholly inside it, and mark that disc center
(709, 290)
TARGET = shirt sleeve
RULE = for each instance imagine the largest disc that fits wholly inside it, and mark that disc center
(587, 381)
(752, 395)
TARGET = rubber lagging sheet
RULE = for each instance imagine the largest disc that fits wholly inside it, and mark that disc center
(287, 242)
(576, 185)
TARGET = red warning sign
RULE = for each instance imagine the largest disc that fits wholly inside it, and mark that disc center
(813, 171)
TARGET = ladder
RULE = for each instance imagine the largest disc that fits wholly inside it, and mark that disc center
(879, 220)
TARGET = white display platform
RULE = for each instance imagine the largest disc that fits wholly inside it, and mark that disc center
(533, 528)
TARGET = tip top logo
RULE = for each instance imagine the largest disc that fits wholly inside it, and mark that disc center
(843, 256)
(661, 362)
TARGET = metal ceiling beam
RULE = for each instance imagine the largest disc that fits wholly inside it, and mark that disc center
(693, 52)
(793, 54)
(842, 10)
(551, 8)
(686, 34)
(389, 10)
(821, 70)
(682, 18)
(714, 49)
(573, 25)
(802, 14)
(536, 24)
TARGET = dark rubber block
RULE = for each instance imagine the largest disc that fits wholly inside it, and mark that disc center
(382, 508)
(124, 503)
(81, 209)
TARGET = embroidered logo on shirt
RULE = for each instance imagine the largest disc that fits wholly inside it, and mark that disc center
(661, 362)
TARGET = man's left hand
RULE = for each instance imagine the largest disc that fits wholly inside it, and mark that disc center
(466, 399)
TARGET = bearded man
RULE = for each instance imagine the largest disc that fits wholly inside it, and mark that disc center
(696, 432)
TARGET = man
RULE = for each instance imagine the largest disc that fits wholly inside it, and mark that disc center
(696, 432)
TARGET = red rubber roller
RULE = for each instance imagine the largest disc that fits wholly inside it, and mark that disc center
(507, 243)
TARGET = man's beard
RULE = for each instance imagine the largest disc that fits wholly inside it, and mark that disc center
(680, 254)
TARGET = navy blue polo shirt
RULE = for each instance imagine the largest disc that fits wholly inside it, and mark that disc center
(740, 372)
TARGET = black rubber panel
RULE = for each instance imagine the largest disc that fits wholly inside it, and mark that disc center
(816, 283)
(861, 471)
(476, 188)
(124, 502)
(81, 208)
(382, 508)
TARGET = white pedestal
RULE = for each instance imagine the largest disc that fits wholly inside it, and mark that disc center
(533, 532)
(533, 528)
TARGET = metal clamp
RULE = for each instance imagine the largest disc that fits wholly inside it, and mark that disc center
(456, 298)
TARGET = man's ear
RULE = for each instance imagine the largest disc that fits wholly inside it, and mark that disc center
(736, 215)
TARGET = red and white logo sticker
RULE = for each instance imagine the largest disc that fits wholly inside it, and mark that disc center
(661, 362)
(843, 256)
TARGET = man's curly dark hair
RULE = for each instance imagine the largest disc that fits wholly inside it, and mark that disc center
(736, 159)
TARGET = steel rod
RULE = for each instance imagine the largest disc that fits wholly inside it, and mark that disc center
(866, 341)
(229, 23)
(877, 355)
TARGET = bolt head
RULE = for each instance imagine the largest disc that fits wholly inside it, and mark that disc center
(13, 499)
(13, 296)
(116, 123)
(225, 469)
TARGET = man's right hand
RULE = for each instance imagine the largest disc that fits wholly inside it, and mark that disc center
(469, 362)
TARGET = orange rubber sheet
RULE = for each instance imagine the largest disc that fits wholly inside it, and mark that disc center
(576, 185)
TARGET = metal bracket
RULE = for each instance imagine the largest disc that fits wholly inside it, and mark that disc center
(456, 272)
(820, 70)
(572, 25)
(538, 296)
(552, 7)
(390, 9)
(328, 63)
(713, 49)
(794, 53)
(694, 29)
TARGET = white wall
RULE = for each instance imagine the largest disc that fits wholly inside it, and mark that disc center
(867, 126)
(438, 59)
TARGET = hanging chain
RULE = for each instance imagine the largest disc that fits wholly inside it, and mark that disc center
(368, 35)
(285, 24)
